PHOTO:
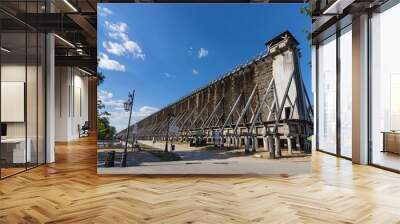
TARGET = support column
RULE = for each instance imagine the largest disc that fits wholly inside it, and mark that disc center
(360, 90)
(298, 143)
(289, 143)
(277, 146)
(265, 139)
(246, 144)
(237, 141)
(50, 97)
(265, 143)
(254, 145)
(271, 147)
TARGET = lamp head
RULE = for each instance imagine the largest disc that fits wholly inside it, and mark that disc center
(127, 105)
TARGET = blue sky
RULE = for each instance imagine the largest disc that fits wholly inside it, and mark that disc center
(164, 51)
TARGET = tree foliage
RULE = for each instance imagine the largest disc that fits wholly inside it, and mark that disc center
(307, 10)
(100, 78)
(104, 129)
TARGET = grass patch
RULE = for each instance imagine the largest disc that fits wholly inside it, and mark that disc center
(163, 156)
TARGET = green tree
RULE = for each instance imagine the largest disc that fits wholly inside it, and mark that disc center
(104, 129)
(100, 78)
(307, 10)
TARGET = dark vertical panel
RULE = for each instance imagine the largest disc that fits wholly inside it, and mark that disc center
(26, 86)
(316, 106)
(338, 123)
(37, 91)
(1, 53)
(369, 114)
(45, 87)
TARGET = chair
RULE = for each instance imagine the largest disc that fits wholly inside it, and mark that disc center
(84, 130)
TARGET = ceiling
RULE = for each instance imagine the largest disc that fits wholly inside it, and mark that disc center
(74, 22)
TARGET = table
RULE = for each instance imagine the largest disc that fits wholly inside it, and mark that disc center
(13, 150)
(391, 141)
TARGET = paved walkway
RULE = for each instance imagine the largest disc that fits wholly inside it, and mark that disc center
(203, 161)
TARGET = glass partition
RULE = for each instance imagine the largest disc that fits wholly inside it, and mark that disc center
(385, 89)
(327, 95)
(22, 91)
(13, 103)
(346, 95)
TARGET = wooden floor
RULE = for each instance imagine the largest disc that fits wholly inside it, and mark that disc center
(70, 191)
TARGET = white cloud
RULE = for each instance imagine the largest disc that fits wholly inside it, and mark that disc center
(118, 116)
(190, 51)
(113, 48)
(119, 119)
(124, 45)
(104, 95)
(106, 63)
(120, 36)
(202, 53)
(103, 11)
(195, 71)
(119, 27)
(143, 112)
(168, 75)
(108, 100)
(134, 48)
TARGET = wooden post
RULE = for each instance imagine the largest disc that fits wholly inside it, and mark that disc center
(289, 143)
(271, 147)
(246, 144)
(265, 139)
(254, 145)
(277, 146)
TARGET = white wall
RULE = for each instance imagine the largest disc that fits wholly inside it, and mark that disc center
(61, 103)
(71, 102)
(13, 100)
(14, 73)
(33, 126)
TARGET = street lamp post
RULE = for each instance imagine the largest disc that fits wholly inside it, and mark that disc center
(128, 107)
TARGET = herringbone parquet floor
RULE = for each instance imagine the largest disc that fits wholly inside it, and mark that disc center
(70, 191)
